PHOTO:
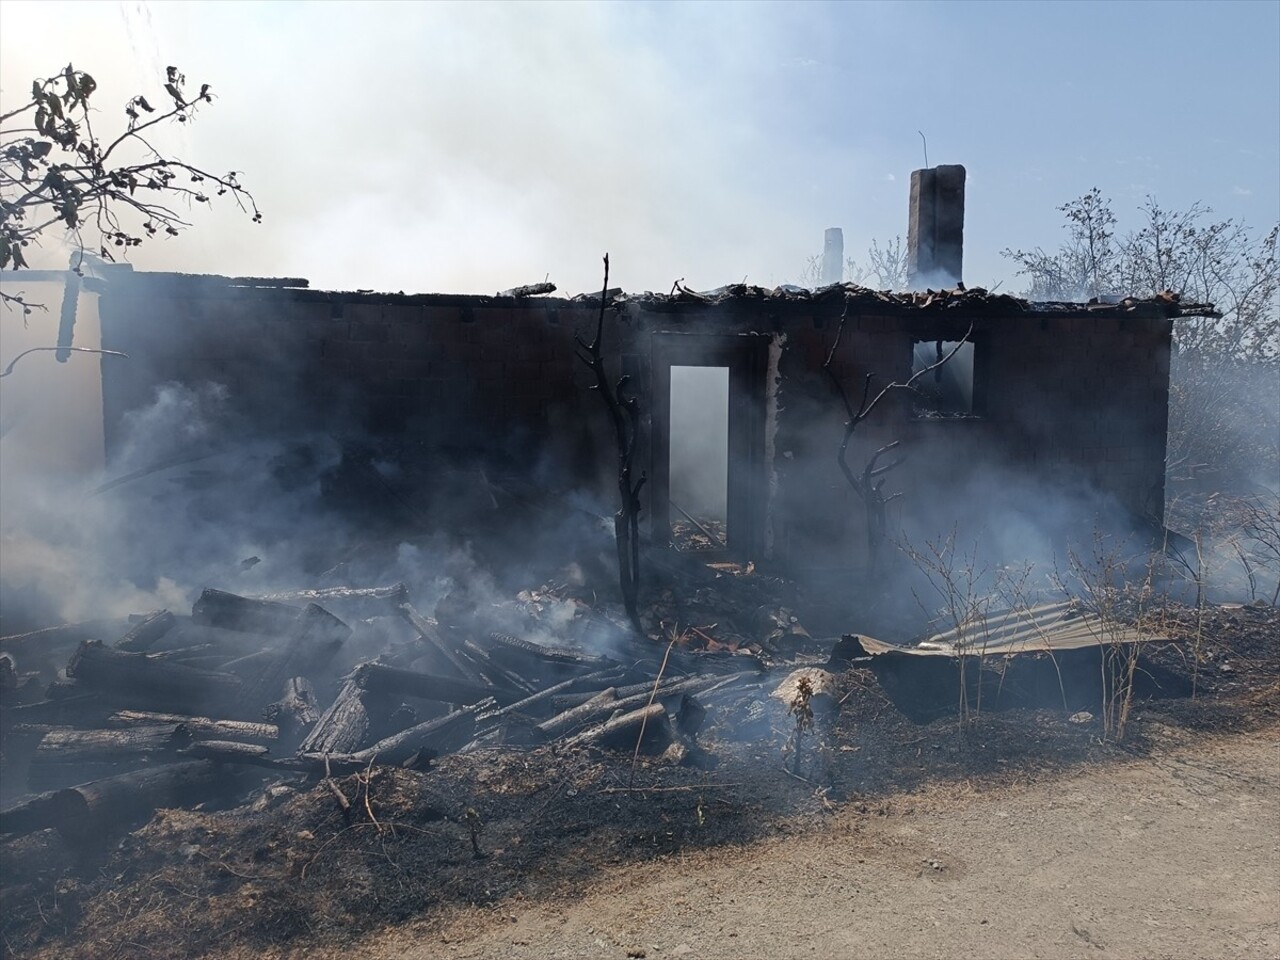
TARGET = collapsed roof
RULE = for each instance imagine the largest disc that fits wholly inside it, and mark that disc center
(960, 299)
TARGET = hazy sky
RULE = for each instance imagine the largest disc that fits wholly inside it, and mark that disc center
(472, 147)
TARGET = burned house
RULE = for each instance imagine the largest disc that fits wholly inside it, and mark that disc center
(1064, 397)
(1043, 403)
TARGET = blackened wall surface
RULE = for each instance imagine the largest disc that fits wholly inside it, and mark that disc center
(471, 378)
(1073, 408)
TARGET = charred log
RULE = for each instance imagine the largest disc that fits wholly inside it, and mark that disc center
(541, 702)
(69, 634)
(641, 692)
(229, 751)
(649, 724)
(66, 756)
(430, 634)
(504, 644)
(217, 608)
(579, 716)
(314, 637)
(493, 672)
(392, 681)
(296, 710)
(145, 682)
(147, 631)
(202, 728)
(343, 727)
(96, 811)
(423, 742)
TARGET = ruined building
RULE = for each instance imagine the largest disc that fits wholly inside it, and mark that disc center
(1044, 403)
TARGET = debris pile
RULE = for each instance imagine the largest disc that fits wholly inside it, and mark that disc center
(184, 710)
(968, 300)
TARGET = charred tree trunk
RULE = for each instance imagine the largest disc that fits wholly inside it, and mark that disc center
(625, 416)
(96, 812)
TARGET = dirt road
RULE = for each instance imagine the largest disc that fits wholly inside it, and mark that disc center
(1171, 856)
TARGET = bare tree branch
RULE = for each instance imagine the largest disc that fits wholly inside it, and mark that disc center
(58, 171)
(868, 484)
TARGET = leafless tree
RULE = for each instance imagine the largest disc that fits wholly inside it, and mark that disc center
(625, 417)
(868, 483)
(1224, 410)
(885, 267)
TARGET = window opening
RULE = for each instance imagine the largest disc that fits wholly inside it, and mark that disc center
(947, 391)
(699, 462)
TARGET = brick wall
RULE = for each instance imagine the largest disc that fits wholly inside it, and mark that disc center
(482, 378)
(1070, 403)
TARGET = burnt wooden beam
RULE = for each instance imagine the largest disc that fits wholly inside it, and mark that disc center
(343, 727)
(218, 608)
(419, 743)
(202, 728)
(297, 709)
(649, 723)
(383, 680)
(314, 637)
(144, 682)
(147, 631)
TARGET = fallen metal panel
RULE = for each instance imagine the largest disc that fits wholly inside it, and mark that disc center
(1050, 627)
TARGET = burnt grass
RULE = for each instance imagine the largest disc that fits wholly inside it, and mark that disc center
(292, 869)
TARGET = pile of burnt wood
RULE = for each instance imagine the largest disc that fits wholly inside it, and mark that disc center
(182, 710)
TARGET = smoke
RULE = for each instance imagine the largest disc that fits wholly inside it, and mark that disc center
(700, 440)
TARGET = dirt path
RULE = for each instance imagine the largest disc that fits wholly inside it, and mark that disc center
(1175, 856)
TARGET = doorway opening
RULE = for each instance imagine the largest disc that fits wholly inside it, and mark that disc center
(698, 469)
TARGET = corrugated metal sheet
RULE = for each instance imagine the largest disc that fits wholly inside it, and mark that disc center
(1050, 627)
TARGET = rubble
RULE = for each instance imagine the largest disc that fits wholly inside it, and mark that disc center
(276, 687)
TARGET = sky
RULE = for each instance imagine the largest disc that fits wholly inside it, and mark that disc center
(474, 147)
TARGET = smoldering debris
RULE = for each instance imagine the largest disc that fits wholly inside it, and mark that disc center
(340, 759)
(282, 687)
(143, 711)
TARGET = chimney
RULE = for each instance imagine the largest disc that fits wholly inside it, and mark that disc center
(832, 256)
(935, 227)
